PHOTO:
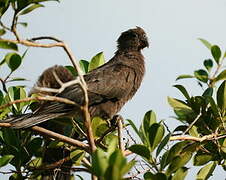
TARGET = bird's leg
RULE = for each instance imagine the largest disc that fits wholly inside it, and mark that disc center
(118, 121)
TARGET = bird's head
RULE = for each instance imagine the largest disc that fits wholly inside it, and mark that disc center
(133, 39)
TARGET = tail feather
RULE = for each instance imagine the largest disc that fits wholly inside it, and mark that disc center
(28, 120)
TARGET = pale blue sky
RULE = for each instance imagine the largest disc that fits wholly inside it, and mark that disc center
(91, 26)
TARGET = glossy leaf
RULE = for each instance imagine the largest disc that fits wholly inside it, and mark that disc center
(149, 119)
(1, 97)
(8, 45)
(182, 90)
(213, 106)
(208, 92)
(4, 160)
(99, 126)
(179, 161)
(72, 70)
(221, 76)
(216, 53)
(99, 162)
(180, 174)
(13, 60)
(84, 65)
(125, 169)
(96, 61)
(184, 76)
(157, 176)
(156, 133)
(201, 75)
(175, 151)
(24, 24)
(208, 63)
(76, 156)
(35, 163)
(201, 159)
(30, 8)
(205, 172)
(175, 103)
(221, 96)
(141, 150)
(162, 144)
(206, 43)
(17, 79)
(2, 32)
(134, 127)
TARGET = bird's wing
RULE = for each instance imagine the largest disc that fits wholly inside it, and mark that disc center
(110, 82)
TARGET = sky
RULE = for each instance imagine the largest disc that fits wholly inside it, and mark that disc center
(92, 26)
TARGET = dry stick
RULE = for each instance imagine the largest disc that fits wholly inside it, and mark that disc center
(121, 146)
(85, 108)
(54, 135)
(41, 98)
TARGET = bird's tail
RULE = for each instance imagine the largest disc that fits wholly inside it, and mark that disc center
(30, 119)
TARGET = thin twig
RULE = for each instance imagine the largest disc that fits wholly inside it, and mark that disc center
(54, 135)
(40, 98)
(192, 138)
(190, 126)
(120, 127)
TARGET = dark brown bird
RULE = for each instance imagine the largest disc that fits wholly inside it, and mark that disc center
(110, 86)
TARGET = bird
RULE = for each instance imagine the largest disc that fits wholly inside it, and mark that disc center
(109, 86)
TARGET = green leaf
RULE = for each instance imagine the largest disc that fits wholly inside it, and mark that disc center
(157, 176)
(99, 162)
(24, 24)
(201, 159)
(30, 8)
(140, 150)
(13, 60)
(175, 103)
(180, 174)
(182, 90)
(35, 163)
(1, 97)
(162, 144)
(149, 119)
(134, 127)
(184, 76)
(201, 75)
(221, 76)
(76, 156)
(156, 133)
(214, 107)
(17, 79)
(96, 61)
(4, 160)
(178, 162)
(34, 145)
(216, 53)
(175, 151)
(208, 92)
(208, 63)
(8, 45)
(72, 70)
(127, 167)
(84, 65)
(99, 126)
(221, 96)
(205, 172)
(2, 32)
(206, 43)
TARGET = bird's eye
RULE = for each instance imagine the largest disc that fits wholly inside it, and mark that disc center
(144, 36)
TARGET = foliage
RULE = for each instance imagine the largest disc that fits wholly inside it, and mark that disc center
(201, 133)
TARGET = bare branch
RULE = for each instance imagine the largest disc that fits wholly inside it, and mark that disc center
(41, 98)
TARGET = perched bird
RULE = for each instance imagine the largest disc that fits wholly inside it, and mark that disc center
(110, 86)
